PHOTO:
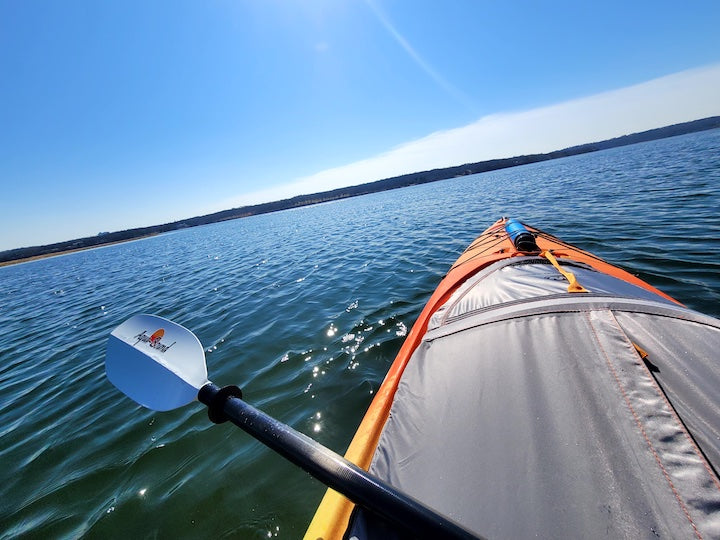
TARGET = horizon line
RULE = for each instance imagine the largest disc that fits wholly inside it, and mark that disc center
(183, 221)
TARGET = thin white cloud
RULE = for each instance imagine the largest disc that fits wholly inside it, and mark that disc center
(676, 98)
(453, 92)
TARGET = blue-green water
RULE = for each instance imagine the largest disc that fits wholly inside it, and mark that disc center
(305, 310)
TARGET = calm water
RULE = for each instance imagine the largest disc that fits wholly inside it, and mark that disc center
(303, 309)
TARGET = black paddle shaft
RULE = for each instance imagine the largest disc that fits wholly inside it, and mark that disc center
(331, 469)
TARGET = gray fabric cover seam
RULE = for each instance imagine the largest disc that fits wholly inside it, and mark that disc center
(638, 420)
(577, 306)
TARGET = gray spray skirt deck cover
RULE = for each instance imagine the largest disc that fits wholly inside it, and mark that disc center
(527, 412)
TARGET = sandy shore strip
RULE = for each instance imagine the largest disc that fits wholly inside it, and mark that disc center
(75, 250)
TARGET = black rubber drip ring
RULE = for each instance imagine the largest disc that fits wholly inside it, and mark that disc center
(216, 407)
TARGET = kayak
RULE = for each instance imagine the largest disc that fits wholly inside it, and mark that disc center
(544, 392)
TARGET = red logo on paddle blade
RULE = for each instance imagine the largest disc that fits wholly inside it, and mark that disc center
(157, 336)
(154, 340)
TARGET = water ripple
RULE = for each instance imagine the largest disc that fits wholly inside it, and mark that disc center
(304, 309)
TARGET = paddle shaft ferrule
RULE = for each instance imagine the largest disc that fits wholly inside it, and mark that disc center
(336, 472)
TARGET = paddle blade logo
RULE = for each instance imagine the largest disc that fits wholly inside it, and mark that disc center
(157, 336)
(154, 340)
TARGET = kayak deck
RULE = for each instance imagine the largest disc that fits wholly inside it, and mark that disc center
(529, 410)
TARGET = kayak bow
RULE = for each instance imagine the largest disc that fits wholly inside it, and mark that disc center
(545, 392)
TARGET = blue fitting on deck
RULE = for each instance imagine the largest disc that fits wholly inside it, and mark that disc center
(521, 238)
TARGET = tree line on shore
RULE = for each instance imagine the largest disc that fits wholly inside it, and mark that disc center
(396, 182)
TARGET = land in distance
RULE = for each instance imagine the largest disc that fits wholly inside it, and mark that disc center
(24, 254)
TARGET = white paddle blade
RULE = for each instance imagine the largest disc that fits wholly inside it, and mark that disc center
(155, 362)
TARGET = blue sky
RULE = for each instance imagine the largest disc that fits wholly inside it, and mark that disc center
(126, 114)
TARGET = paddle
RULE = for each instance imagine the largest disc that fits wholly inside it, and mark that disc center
(161, 365)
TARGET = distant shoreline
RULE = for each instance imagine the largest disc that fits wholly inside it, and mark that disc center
(26, 254)
(67, 252)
